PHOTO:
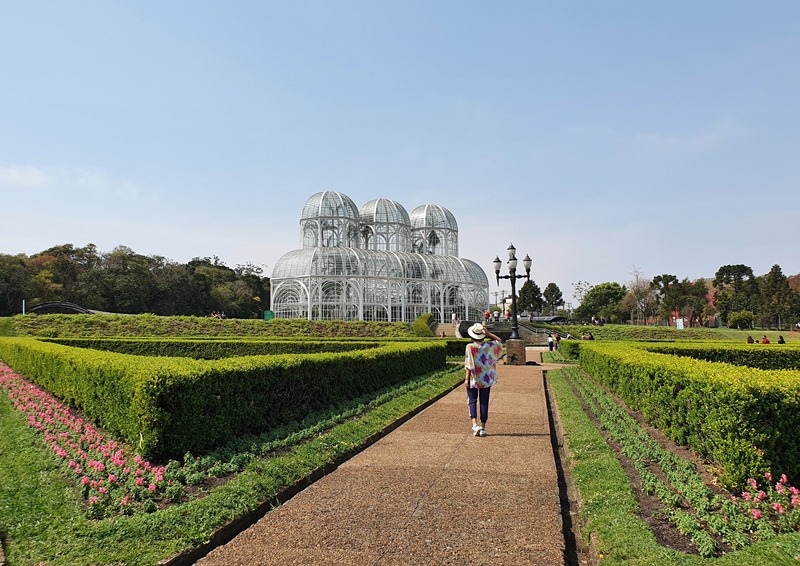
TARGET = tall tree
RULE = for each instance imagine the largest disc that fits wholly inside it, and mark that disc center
(580, 289)
(13, 280)
(736, 289)
(553, 298)
(602, 301)
(695, 301)
(642, 302)
(529, 297)
(669, 295)
(776, 297)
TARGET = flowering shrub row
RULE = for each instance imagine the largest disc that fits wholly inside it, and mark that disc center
(696, 511)
(744, 419)
(168, 406)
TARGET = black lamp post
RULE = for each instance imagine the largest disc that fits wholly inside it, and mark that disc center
(512, 275)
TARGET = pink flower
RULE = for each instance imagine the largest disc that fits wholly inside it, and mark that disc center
(768, 476)
(779, 488)
(747, 496)
(102, 490)
(752, 483)
(756, 514)
(93, 499)
(795, 500)
(85, 480)
(112, 478)
(139, 482)
(784, 479)
(779, 508)
(760, 495)
(794, 491)
(151, 487)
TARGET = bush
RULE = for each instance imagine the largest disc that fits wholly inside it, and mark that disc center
(740, 319)
(422, 326)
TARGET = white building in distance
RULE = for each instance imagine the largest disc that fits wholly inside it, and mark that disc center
(377, 263)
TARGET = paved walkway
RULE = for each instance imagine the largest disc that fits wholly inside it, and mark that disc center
(429, 492)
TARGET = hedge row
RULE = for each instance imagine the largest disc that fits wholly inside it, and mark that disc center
(761, 356)
(216, 348)
(168, 406)
(633, 332)
(74, 325)
(213, 349)
(744, 419)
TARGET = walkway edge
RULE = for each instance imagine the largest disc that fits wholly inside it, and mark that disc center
(227, 532)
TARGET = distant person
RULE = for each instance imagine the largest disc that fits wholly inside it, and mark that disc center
(781, 340)
(485, 316)
(591, 336)
(453, 318)
(765, 340)
(550, 342)
(480, 363)
(556, 339)
(750, 340)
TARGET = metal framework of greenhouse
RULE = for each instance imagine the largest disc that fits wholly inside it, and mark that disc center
(377, 263)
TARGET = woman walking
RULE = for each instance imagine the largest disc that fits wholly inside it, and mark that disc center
(480, 363)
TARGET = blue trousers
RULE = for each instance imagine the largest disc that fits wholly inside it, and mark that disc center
(475, 394)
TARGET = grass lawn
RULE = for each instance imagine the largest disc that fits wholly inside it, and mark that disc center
(42, 521)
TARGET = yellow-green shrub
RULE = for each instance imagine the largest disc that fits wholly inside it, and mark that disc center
(167, 406)
(744, 419)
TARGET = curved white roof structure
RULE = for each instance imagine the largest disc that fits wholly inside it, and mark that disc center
(377, 263)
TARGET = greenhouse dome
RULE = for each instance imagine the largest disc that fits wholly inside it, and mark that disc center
(434, 230)
(364, 265)
(385, 225)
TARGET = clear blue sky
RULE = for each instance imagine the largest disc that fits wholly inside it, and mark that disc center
(595, 136)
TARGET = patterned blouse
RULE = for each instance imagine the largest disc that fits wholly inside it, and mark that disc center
(481, 360)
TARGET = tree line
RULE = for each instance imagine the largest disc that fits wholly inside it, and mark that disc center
(122, 281)
(735, 297)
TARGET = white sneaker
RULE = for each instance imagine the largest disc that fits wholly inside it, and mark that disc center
(476, 429)
(483, 432)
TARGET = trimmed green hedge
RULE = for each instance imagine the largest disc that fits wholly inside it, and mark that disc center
(744, 419)
(75, 325)
(633, 332)
(167, 406)
(761, 356)
(213, 349)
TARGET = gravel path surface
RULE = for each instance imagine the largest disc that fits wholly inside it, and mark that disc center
(428, 493)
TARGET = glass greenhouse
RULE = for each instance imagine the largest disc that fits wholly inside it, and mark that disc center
(377, 263)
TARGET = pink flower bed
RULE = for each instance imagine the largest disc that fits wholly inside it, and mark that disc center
(111, 478)
(780, 503)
